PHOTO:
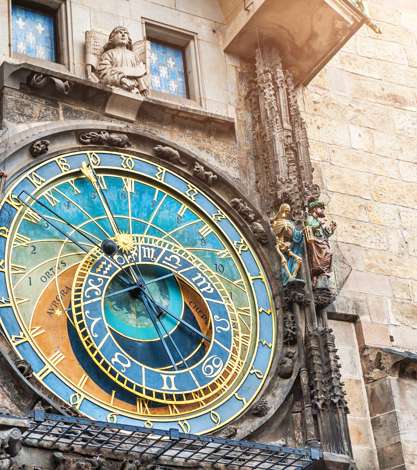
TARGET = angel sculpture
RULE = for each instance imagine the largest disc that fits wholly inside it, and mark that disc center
(119, 62)
(289, 244)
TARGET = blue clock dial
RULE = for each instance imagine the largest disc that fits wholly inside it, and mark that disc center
(132, 294)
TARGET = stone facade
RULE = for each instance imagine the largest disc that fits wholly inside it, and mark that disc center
(361, 120)
(361, 115)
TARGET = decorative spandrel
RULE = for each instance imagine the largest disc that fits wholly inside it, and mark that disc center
(33, 33)
(117, 62)
(168, 69)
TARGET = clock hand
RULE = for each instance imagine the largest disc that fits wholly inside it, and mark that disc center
(89, 172)
(62, 232)
(166, 276)
(180, 320)
(161, 337)
(172, 341)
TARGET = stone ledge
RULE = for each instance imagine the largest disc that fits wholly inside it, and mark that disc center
(71, 89)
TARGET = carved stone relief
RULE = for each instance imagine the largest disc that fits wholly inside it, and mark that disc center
(40, 80)
(249, 216)
(203, 174)
(39, 147)
(117, 61)
(170, 154)
(112, 139)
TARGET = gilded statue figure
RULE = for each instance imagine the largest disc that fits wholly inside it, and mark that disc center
(318, 231)
(119, 65)
(289, 244)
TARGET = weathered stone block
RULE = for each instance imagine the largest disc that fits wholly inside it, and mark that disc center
(401, 289)
(379, 308)
(352, 207)
(389, 264)
(390, 191)
(368, 283)
(375, 334)
(360, 431)
(386, 430)
(365, 458)
(382, 50)
(345, 181)
(20, 108)
(361, 233)
(356, 397)
(390, 456)
(380, 397)
(405, 313)
(383, 214)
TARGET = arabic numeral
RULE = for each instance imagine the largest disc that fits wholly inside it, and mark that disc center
(212, 366)
(219, 268)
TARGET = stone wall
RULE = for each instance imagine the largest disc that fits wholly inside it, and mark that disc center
(361, 113)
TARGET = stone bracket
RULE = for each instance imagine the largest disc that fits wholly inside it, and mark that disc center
(98, 97)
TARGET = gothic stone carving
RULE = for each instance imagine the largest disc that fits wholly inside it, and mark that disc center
(203, 174)
(260, 408)
(24, 368)
(249, 216)
(379, 363)
(10, 446)
(112, 139)
(66, 462)
(282, 160)
(38, 80)
(39, 147)
(168, 153)
(290, 329)
(243, 210)
(118, 62)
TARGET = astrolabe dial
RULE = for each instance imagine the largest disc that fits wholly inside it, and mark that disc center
(132, 294)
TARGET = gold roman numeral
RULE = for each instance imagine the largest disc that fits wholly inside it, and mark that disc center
(129, 185)
(54, 360)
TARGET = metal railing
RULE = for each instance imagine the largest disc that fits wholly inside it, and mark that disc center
(119, 441)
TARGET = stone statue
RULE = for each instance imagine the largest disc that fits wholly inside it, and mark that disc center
(318, 231)
(289, 244)
(119, 62)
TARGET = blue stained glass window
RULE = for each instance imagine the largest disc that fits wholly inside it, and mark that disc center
(168, 69)
(33, 33)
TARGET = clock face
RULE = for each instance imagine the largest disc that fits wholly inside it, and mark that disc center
(132, 294)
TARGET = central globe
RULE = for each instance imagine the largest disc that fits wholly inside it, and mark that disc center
(126, 314)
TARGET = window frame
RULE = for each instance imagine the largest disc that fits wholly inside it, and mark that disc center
(187, 42)
(58, 10)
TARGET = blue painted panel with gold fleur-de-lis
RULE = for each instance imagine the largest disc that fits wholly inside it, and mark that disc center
(33, 33)
(168, 69)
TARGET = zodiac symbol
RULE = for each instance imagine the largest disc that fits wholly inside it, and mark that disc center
(104, 267)
(95, 288)
(93, 323)
(219, 329)
(122, 360)
(212, 366)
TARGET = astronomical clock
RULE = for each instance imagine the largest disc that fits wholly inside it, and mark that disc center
(132, 294)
